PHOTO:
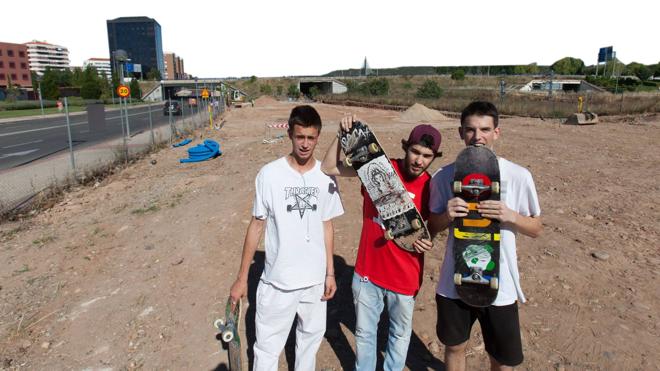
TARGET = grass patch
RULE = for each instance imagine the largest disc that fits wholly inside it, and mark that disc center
(142, 211)
(43, 240)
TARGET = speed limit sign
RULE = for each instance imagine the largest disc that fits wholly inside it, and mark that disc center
(123, 91)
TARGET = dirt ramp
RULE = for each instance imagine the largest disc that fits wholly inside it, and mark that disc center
(420, 113)
(265, 100)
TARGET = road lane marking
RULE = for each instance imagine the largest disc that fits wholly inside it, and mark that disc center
(18, 154)
(23, 144)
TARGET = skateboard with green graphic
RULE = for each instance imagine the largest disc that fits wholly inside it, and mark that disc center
(476, 239)
(229, 328)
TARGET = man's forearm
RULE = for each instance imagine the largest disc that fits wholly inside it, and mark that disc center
(254, 231)
(528, 225)
(438, 223)
(329, 239)
(330, 163)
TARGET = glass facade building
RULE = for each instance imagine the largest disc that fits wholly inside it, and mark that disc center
(141, 38)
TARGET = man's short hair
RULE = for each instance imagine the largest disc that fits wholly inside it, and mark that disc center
(304, 116)
(480, 108)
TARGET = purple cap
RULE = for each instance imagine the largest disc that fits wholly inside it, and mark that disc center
(432, 140)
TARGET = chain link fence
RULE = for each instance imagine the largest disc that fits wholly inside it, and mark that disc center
(41, 155)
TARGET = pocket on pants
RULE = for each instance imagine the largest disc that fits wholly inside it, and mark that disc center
(356, 287)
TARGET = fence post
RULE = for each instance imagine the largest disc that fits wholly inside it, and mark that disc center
(68, 130)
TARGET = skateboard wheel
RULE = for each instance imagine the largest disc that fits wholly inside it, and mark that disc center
(373, 148)
(458, 279)
(389, 235)
(416, 224)
(494, 284)
(495, 187)
(457, 186)
(348, 162)
(227, 336)
(219, 323)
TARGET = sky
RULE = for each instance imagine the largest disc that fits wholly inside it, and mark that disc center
(269, 38)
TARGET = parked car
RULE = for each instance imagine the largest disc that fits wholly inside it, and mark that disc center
(173, 108)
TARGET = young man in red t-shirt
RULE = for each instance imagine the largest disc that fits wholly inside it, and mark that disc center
(385, 273)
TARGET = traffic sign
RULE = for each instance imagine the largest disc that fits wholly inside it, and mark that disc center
(205, 93)
(123, 91)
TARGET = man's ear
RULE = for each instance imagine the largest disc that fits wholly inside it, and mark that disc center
(460, 132)
(404, 145)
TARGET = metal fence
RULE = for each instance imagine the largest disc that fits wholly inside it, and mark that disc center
(49, 152)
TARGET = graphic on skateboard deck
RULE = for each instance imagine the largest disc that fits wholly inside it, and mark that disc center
(402, 221)
(476, 239)
(229, 328)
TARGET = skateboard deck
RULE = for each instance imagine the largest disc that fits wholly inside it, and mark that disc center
(229, 328)
(402, 221)
(476, 239)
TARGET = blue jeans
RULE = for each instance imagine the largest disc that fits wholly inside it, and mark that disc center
(369, 301)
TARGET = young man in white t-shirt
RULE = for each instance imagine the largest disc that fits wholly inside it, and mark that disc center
(518, 211)
(295, 203)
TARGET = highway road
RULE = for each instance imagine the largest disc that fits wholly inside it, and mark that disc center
(22, 142)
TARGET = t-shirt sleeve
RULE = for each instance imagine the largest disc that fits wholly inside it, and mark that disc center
(259, 207)
(440, 191)
(332, 206)
(529, 200)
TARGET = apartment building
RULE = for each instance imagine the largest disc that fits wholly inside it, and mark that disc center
(14, 65)
(42, 55)
(174, 67)
(102, 66)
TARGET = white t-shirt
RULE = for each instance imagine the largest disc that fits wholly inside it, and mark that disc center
(295, 206)
(519, 194)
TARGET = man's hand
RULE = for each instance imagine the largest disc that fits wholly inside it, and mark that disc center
(346, 122)
(456, 208)
(238, 290)
(497, 210)
(423, 245)
(330, 288)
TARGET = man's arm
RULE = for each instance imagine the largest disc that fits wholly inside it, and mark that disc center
(252, 236)
(329, 239)
(331, 164)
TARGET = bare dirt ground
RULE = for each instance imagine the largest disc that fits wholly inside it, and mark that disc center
(131, 273)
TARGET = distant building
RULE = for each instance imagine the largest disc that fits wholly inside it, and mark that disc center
(14, 65)
(42, 55)
(174, 67)
(102, 66)
(141, 38)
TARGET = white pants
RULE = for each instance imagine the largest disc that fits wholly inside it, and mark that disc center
(276, 310)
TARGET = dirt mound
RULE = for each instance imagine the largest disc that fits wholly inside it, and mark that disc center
(420, 113)
(265, 100)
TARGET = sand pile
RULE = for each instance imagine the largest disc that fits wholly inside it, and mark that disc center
(420, 113)
(265, 100)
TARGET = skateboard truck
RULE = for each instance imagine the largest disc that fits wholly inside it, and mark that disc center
(227, 330)
(361, 155)
(477, 278)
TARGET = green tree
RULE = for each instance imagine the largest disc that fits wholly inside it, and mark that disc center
(136, 93)
(292, 91)
(430, 89)
(639, 70)
(77, 77)
(49, 84)
(91, 86)
(12, 91)
(458, 74)
(280, 90)
(253, 79)
(568, 66)
(105, 86)
(154, 74)
(314, 92)
(378, 87)
(266, 89)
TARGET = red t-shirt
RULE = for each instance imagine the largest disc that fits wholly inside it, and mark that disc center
(382, 261)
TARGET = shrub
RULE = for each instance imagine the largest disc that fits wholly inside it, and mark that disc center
(266, 89)
(458, 75)
(430, 89)
(292, 91)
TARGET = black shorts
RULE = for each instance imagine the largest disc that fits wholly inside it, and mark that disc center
(499, 325)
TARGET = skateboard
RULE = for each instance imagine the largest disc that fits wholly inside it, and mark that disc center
(402, 221)
(476, 239)
(229, 328)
